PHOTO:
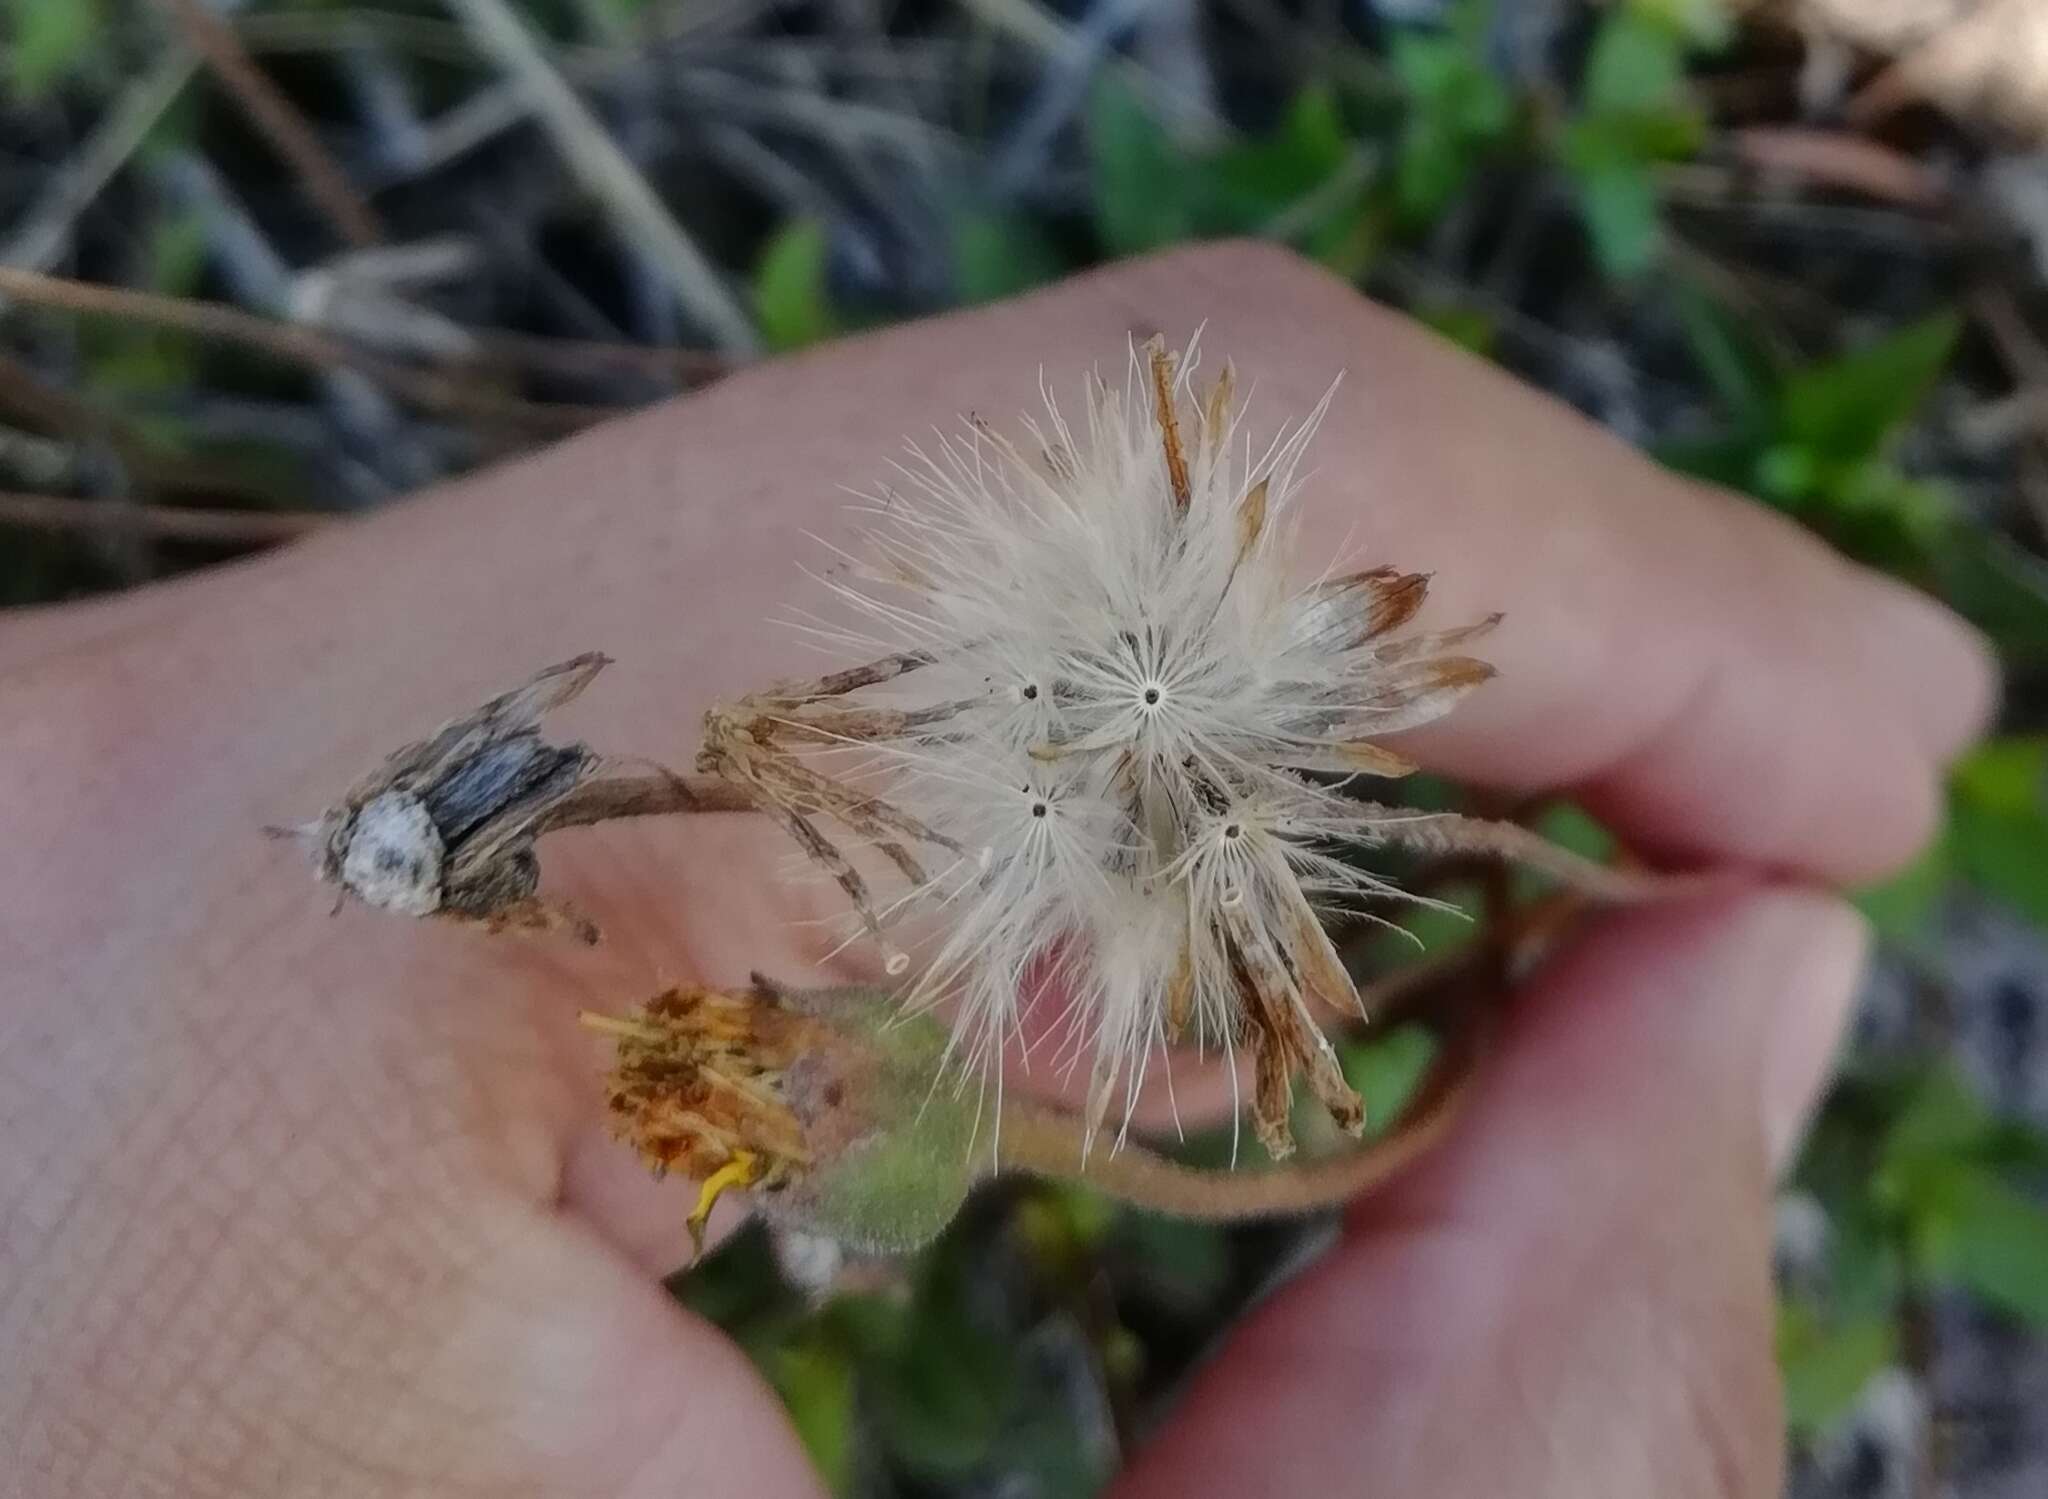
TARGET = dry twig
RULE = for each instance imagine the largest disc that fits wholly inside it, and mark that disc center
(605, 170)
(279, 122)
(46, 228)
(46, 512)
(430, 390)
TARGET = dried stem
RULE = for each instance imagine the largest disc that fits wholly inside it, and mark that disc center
(585, 358)
(429, 390)
(45, 230)
(609, 176)
(278, 121)
(1050, 1142)
(28, 398)
(607, 798)
(45, 512)
(1451, 833)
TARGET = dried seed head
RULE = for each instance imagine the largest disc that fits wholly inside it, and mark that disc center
(446, 827)
(1101, 727)
(820, 1101)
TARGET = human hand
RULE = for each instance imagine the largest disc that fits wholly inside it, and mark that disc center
(290, 1205)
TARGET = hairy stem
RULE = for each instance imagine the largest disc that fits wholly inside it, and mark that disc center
(663, 794)
(1051, 1142)
(1454, 833)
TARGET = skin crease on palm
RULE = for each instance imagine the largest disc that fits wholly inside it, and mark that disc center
(298, 1205)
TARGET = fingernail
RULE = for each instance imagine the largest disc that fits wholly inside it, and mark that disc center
(1814, 948)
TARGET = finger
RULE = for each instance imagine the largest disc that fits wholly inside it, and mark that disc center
(1636, 658)
(1572, 1297)
(1664, 644)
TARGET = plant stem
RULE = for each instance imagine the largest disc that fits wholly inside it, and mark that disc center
(1453, 833)
(662, 794)
(430, 390)
(47, 512)
(1051, 1142)
(277, 120)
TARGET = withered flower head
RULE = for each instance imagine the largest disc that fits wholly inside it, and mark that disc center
(821, 1102)
(446, 827)
(1105, 725)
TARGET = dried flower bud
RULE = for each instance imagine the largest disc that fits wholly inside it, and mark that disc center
(447, 826)
(821, 1101)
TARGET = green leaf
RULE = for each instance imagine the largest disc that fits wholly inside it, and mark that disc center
(1637, 64)
(1847, 408)
(1826, 1368)
(1141, 183)
(1246, 185)
(1429, 931)
(1940, 1120)
(817, 1385)
(1705, 25)
(1730, 460)
(997, 255)
(177, 253)
(1458, 112)
(1999, 826)
(1571, 826)
(2006, 857)
(49, 40)
(1988, 1238)
(2004, 775)
(791, 302)
(1428, 66)
(1186, 1264)
(1737, 364)
(1901, 908)
(1997, 587)
(1430, 165)
(1386, 1070)
(1472, 329)
(1620, 206)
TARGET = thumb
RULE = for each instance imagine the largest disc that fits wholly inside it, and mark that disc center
(1572, 1297)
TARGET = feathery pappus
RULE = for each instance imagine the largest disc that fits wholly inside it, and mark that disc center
(1105, 733)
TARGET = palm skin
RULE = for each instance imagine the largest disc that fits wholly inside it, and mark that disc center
(297, 1205)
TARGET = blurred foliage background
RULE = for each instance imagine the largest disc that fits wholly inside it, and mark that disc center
(266, 263)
